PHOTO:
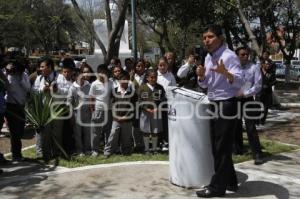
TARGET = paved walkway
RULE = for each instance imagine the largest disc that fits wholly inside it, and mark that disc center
(279, 178)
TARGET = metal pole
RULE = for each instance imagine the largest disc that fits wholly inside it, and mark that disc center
(133, 27)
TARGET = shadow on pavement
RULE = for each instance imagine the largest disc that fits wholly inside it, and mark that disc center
(17, 174)
(249, 189)
(260, 189)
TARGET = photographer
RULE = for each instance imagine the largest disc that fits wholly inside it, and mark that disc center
(18, 88)
(3, 87)
(187, 74)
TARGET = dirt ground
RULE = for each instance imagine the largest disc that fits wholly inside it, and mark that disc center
(288, 132)
(28, 140)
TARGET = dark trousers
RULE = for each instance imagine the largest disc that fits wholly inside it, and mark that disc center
(15, 116)
(164, 136)
(68, 142)
(222, 134)
(250, 123)
(266, 98)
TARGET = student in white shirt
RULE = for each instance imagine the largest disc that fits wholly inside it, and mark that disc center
(18, 88)
(100, 99)
(64, 82)
(166, 79)
(47, 83)
(79, 101)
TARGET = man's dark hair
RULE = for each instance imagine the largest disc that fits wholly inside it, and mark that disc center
(241, 48)
(124, 76)
(68, 63)
(216, 29)
(102, 68)
(20, 66)
(49, 62)
(265, 51)
(116, 60)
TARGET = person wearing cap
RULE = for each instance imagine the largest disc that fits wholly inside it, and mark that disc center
(222, 76)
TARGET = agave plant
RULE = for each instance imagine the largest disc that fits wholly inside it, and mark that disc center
(40, 112)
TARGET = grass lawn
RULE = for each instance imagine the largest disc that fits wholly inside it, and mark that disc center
(269, 148)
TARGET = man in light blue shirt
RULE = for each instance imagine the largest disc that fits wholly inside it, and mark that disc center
(252, 86)
(222, 76)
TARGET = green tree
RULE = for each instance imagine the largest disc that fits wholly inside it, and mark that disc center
(34, 23)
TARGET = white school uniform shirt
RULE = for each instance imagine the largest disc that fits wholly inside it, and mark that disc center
(79, 99)
(184, 70)
(139, 79)
(115, 82)
(79, 95)
(63, 86)
(17, 89)
(102, 94)
(40, 82)
(166, 79)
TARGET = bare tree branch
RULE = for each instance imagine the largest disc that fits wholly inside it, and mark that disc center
(245, 21)
(116, 29)
(89, 26)
(108, 17)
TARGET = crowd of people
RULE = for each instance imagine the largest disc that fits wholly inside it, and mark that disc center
(123, 109)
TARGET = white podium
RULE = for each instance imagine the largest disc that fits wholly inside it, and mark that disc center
(190, 156)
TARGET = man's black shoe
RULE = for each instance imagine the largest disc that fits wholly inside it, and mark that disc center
(3, 161)
(17, 159)
(258, 159)
(209, 193)
(232, 188)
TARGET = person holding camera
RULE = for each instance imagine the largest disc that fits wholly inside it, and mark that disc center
(187, 75)
(3, 87)
(46, 83)
(18, 88)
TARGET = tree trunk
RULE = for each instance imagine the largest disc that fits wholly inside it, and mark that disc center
(183, 44)
(248, 28)
(166, 38)
(113, 35)
(91, 45)
(228, 37)
(263, 32)
(90, 27)
(161, 46)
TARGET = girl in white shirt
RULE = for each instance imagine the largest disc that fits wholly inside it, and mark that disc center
(164, 77)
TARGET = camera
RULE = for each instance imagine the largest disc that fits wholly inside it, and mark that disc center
(10, 69)
(14, 68)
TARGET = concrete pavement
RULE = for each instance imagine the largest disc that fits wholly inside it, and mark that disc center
(279, 178)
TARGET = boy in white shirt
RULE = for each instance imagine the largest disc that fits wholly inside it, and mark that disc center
(100, 100)
(78, 98)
